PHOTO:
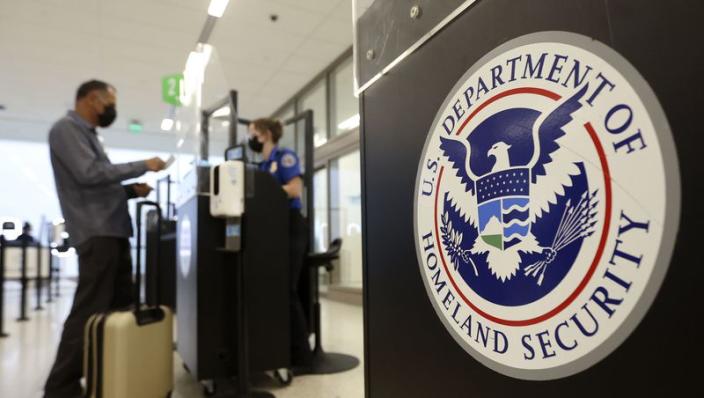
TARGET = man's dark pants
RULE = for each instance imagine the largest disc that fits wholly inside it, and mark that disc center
(104, 284)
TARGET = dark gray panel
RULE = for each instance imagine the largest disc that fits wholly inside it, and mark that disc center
(408, 351)
(388, 30)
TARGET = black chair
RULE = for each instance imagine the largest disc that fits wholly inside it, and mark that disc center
(325, 362)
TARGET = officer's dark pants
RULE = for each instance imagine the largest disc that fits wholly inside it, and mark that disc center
(104, 284)
(301, 354)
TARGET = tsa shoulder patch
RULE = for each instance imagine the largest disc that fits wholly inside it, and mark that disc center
(544, 192)
(288, 160)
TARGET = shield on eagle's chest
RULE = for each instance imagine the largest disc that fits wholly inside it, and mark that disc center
(503, 199)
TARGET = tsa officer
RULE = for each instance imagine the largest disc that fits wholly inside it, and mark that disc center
(284, 165)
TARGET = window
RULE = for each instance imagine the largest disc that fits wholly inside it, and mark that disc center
(315, 99)
(346, 215)
(337, 181)
(288, 139)
(320, 207)
(345, 107)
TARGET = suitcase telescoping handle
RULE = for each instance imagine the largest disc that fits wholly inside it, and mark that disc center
(146, 315)
(169, 206)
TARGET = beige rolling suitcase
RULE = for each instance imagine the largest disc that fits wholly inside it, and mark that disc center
(129, 354)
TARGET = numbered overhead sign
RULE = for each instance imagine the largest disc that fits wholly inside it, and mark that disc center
(171, 89)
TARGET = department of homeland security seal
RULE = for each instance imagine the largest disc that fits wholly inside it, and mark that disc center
(184, 243)
(547, 204)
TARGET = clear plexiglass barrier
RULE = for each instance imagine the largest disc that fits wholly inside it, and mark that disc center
(204, 84)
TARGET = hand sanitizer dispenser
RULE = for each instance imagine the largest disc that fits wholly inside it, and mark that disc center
(227, 189)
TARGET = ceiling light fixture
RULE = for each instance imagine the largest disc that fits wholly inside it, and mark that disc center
(217, 7)
(222, 112)
(194, 73)
(135, 126)
(196, 63)
(350, 123)
(167, 124)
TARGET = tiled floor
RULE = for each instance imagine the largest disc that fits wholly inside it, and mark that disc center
(27, 355)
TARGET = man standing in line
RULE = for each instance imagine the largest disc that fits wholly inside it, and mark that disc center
(94, 205)
(25, 236)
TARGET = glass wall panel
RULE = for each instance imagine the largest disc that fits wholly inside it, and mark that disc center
(320, 205)
(315, 99)
(288, 139)
(299, 128)
(345, 107)
(337, 182)
(346, 215)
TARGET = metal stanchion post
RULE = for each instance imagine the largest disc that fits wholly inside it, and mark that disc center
(49, 297)
(23, 294)
(38, 282)
(58, 279)
(2, 287)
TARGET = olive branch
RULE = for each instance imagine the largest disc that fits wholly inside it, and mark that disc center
(452, 240)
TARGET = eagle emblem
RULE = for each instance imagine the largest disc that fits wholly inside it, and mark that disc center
(523, 199)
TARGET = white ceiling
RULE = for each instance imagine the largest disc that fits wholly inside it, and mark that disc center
(47, 47)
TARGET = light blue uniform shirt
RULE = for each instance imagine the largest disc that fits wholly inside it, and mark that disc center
(283, 164)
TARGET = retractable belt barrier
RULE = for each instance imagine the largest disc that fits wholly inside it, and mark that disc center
(57, 278)
(23, 281)
(49, 297)
(38, 279)
(2, 287)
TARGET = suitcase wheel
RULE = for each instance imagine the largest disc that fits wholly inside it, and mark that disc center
(209, 388)
(283, 376)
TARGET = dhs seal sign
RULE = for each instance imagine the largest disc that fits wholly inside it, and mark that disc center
(546, 206)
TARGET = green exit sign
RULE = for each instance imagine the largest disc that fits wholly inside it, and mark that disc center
(171, 89)
(135, 126)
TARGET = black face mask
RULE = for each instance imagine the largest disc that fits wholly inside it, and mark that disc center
(108, 116)
(255, 145)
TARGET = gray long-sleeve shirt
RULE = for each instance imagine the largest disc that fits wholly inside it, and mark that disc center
(93, 201)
